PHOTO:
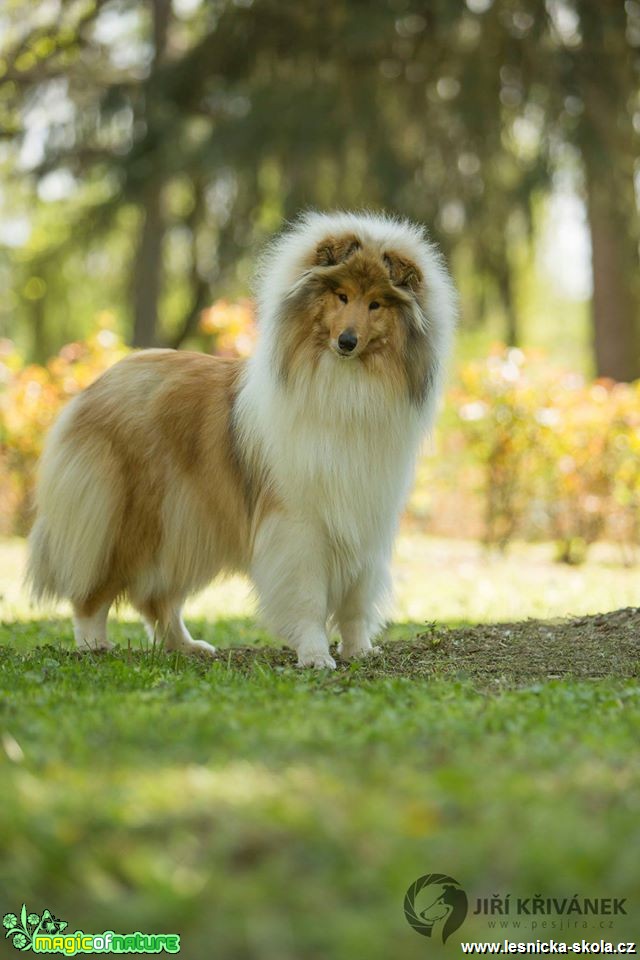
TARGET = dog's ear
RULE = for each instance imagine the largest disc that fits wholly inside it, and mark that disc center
(334, 250)
(402, 272)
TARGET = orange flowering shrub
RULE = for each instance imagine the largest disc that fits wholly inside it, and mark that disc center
(494, 402)
(30, 398)
(556, 457)
(232, 327)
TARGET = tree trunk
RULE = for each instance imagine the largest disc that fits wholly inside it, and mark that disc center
(506, 295)
(147, 270)
(40, 351)
(146, 279)
(614, 305)
(201, 296)
(200, 288)
(604, 70)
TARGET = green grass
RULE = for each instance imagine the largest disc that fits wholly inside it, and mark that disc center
(262, 812)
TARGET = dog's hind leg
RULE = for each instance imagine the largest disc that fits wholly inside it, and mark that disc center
(289, 571)
(164, 624)
(90, 627)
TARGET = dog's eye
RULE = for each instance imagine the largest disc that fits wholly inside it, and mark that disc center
(343, 297)
(374, 305)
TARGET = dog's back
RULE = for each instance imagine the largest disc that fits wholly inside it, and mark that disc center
(137, 473)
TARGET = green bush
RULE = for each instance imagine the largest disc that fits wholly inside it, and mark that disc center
(555, 456)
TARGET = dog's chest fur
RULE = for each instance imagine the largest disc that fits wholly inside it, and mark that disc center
(337, 449)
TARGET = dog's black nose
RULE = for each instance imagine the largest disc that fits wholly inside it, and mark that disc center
(347, 341)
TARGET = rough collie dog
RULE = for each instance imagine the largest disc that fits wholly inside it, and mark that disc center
(292, 466)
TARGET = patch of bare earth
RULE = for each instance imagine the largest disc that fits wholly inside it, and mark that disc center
(494, 654)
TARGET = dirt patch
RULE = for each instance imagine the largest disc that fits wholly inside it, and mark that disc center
(490, 655)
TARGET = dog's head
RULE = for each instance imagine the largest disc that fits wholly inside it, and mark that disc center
(366, 299)
(365, 291)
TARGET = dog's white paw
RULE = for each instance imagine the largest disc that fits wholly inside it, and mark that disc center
(354, 653)
(94, 646)
(198, 648)
(318, 659)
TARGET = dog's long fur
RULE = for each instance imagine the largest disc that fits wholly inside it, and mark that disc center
(292, 466)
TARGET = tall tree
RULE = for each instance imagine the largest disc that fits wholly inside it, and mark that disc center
(604, 66)
(592, 60)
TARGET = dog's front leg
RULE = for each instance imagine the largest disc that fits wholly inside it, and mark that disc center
(289, 570)
(361, 612)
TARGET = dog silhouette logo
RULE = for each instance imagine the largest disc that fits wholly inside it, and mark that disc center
(435, 904)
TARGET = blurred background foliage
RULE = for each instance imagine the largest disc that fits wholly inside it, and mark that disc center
(150, 147)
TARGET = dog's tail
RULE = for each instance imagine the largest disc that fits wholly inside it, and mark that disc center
(77, 496)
